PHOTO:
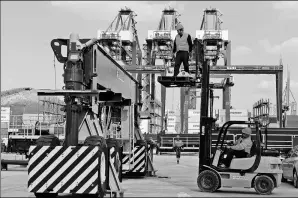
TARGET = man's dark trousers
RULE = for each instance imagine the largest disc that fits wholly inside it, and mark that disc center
(181, 57)
(231, 153)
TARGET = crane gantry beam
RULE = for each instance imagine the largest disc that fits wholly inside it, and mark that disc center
(229, 69)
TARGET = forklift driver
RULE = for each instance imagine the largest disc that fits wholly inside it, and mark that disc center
(240, 149)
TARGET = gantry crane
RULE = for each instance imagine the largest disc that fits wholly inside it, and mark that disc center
(157, 59)
(118, 39)
(159, 47)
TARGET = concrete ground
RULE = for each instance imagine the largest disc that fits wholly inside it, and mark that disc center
(172, 180)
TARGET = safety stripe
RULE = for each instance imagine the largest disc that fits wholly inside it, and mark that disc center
(87, 187)
(64, 169)
(60, 168)
(112, 154)
(127, 156)
(132, 155)
(45, 160)
(84, 180)
(36, 159)
(85, 172)
(137, 160)
(138, 155)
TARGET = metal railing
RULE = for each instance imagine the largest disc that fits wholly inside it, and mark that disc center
(35, 124)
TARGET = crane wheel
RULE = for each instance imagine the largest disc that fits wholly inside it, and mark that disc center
(48, 140)
(208, 181)
(103, 161)
(264, 185)
(116, 155)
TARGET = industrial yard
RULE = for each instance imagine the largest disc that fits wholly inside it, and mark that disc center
(151, 114)
(172, 180)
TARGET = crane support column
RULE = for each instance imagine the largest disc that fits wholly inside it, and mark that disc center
(227, 90)
(279, 81)
(163, 104)
(184, 105)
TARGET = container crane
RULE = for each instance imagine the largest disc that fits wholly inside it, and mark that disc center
(160, 43)
(157, 60)
(119, 37)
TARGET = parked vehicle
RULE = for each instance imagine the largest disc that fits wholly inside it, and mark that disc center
(290, 167)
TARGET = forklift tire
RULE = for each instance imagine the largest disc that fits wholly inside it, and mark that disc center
(48, 140)
(263, 185)
(46, 195)
(208, 181)
(117, 155)
(103, 161)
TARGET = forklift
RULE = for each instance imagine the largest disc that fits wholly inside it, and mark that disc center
(259, 170)
(263, 173)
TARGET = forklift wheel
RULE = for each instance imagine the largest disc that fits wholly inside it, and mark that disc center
(208, 181)
(264, 185)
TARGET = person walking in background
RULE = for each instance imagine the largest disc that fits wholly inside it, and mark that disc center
(178, 146)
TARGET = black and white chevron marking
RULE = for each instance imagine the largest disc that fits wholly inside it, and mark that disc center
(137, 160)
(64, 169)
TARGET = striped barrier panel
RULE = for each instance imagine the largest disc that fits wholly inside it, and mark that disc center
(136, 162)
(115, 159)
(59, 169)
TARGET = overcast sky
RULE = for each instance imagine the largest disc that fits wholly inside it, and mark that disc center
(259, 31)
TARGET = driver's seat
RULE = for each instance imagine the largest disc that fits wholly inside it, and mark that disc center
(245, 162)
(253, 149)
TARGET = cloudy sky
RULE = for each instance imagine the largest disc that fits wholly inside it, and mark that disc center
(260, 32)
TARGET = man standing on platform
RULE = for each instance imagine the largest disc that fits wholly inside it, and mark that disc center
(182, 49)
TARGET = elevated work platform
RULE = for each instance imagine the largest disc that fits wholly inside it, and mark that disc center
(178, 81)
